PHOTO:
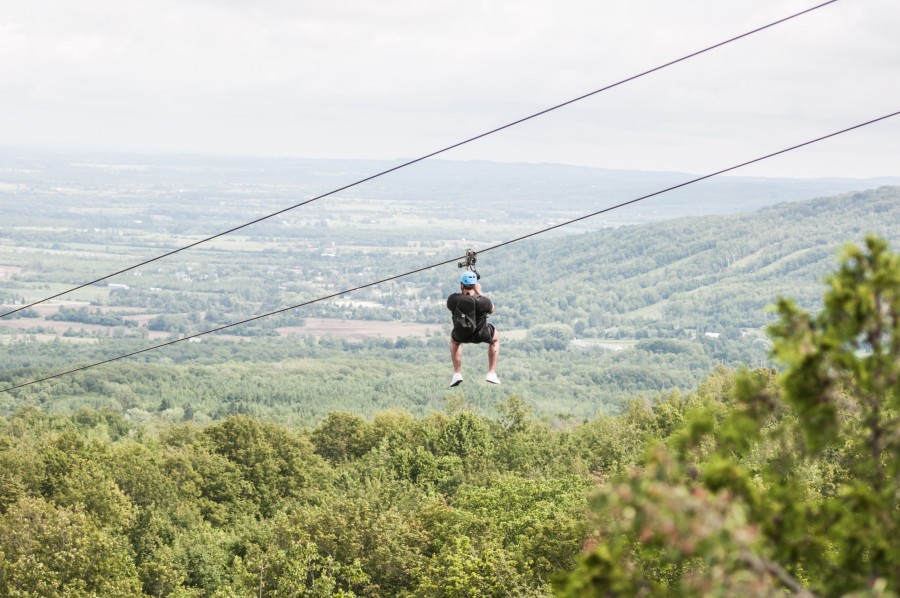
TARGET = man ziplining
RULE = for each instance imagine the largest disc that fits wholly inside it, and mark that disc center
(470, 309)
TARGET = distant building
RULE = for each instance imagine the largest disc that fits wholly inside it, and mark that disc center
(121, 287)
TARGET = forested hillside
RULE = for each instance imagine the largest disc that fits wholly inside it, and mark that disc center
(298, 381)
(713, 274)
(614, 460)
(756, 483)
(395, 506)
(588, 322)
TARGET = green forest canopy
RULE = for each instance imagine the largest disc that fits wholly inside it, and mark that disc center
(755, 483)
(682, 297)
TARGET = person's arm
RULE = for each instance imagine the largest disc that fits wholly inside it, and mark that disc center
(480, 294)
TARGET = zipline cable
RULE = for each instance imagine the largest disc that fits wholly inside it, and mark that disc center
(497, 246)
(426, 156)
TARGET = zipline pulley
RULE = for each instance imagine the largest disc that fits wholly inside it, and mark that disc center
(469, 264)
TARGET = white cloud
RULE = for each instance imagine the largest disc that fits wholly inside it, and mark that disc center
(404, 77)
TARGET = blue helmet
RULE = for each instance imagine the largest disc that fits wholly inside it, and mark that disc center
(468, 278)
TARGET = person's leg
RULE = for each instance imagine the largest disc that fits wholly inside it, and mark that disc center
(493, 352)
(456, 355)
(456, 358)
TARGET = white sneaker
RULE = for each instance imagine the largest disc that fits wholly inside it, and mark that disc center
(456, 380)
(492, 378)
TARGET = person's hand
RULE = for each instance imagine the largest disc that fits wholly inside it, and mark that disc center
(477, 289)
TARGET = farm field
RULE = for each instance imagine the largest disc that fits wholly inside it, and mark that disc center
(598, 314)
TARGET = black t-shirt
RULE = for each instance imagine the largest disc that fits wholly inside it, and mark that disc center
(483, 307)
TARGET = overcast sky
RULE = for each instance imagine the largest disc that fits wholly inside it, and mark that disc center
(401, 78)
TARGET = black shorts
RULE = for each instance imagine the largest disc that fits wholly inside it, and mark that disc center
(485, 335)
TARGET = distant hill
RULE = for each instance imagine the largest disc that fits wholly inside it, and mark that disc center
(527, 191)
(680, 281)
(501, 193)
(714, 273)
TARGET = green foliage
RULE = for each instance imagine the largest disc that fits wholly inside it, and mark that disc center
(841, 377)
(682, 278)
(282, 561)
(86, 316)
(665, 285)
(664, 345)
(464, 568)
(454, 502)
(343, 436)
(553, 337)
(758, 482)
(299, 381)
(666, 539)
(49, 550)
(775, 483)
(275, 464)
